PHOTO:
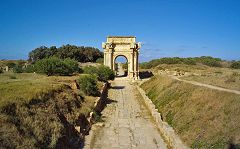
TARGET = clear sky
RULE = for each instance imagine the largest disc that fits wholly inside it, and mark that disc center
(166, 28)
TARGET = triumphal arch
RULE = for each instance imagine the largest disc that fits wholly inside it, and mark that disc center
(122, 46)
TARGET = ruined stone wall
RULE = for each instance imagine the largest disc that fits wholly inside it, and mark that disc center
(167, 131)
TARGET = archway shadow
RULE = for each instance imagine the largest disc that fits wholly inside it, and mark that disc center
(117, 87)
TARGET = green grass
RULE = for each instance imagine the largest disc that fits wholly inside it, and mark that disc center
(25, 87)
(202, 117)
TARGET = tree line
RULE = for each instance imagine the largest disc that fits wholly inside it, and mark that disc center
(205, 60)
(78, 53)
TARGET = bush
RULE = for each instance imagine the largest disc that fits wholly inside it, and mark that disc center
(72, 65)
(1, 70)
(103, 73)
(235, 65)
(56, 66)
(18, 69)
(29, 69)
(90, 70)
(88, 84)
(209, 61)
(189, 61)
(11, 64)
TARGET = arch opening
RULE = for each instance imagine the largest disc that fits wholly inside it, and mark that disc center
(121, 66)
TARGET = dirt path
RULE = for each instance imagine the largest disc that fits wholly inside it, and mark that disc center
(127, 122)
(207, 85)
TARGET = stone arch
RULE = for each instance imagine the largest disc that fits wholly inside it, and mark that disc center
(125, 46)
(119, 55)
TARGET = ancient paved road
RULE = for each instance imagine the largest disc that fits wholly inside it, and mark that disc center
(128, 123)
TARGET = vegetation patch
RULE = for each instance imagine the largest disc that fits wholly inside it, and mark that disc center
(205, 60)
(55, 66)
(202, 117)
(37, 111)
(103, 73)
(78, 53)
(235, 65)
(88, 84)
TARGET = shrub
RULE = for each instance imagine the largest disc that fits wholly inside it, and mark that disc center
(56, 66)
(103, 73)
(189, 61)
(90, 70)
(88, 84)
(18, 69)
(209, 61)
(11, 64)
(1, 70)
(72, 65)
(29, 69)
(235, 65)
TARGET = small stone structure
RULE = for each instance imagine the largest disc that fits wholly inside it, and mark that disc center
(6, 69)
(125, 46)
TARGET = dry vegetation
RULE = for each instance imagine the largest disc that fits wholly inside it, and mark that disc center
(41, 112)
(203, 118)
(222, 77)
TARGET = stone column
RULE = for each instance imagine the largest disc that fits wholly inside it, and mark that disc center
(132, 65)
(110, 58)
(136, 65)
(104, 58)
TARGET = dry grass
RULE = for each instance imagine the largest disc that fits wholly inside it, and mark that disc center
(40, 112)
(203, 118)
(222, 77)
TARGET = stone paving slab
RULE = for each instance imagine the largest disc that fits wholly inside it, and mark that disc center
(128, 123)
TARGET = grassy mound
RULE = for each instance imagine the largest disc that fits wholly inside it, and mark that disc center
(37, 111)
(202, 117)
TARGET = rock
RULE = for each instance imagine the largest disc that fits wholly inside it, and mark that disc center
(78, 128)
(73, 85)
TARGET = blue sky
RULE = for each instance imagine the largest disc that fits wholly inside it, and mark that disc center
(166, 28)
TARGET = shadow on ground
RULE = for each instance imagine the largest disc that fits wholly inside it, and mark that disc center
(145, 74)
(118, 87)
